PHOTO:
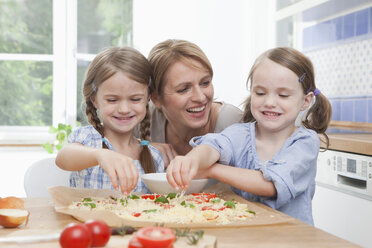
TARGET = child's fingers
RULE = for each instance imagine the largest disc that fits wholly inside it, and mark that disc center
(113, 178)
(170, 177)
(122, 175)
(133, 179)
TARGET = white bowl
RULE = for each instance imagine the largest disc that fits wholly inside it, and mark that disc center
(158, 183)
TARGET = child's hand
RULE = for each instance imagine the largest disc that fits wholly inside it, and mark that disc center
(181, 171)
(119, 166)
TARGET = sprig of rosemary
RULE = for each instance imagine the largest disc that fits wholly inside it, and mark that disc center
(192, 237)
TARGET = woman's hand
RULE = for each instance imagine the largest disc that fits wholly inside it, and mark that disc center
(118, 166)
(181, 171)
(166, 150)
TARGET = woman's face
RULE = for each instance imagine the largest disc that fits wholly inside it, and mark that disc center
(187, 94)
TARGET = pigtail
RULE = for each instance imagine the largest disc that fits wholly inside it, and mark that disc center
(319, 116)
(145, 156)
(93, 119)
(247, 114)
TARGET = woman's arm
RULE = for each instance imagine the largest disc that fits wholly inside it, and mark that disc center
(251, 181)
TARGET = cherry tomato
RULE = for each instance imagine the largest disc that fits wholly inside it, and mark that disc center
(75, 235)
(156, 237)
(100, 231)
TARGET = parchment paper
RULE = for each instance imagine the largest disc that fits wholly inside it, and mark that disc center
(64, 196)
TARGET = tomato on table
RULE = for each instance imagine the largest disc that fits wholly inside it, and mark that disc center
(154, 237)
(100, 231)
(75, 235)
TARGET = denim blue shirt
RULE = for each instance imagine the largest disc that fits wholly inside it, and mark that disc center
(292, 169)
(95, 177)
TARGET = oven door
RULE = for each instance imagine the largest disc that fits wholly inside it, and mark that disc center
(342, 204)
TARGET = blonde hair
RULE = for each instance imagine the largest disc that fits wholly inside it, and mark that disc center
(108, 62)
(168, 52)
(319, 115)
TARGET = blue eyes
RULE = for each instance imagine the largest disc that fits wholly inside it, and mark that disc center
(186, 88)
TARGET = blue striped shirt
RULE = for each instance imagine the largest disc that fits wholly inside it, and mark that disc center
(292, 169)
(95, 177)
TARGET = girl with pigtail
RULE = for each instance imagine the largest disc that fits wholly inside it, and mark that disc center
(267, 158)
(106, 154)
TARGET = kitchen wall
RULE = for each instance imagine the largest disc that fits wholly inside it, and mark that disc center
(231, 33)
(341, 50)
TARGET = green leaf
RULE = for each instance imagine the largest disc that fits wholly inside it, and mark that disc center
(150, 210)
(48, 147)
(133, 196)
(53, 129)
(171, 195)
(161, 199)
(250, 211)
(59, 146)
(61, 136)
(92, 205)
(87, 199)
(230, 204)
(216, 200)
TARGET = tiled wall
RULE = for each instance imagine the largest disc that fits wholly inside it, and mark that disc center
(341, 50)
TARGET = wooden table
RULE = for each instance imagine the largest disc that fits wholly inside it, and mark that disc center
(45, 220)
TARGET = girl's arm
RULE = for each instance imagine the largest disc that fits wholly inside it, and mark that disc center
(251, 181)
(182, 169)
(75, 157)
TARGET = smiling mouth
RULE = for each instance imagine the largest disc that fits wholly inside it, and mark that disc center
(196, 110)
(123, 118)
(271, 113)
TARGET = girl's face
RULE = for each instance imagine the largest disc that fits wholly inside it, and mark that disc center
(187, 94)
(276, 97)
(121, 102)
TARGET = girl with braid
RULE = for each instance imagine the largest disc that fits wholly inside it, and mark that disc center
(268, 158)
(106, 154)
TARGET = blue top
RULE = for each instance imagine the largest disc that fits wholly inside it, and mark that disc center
(292, 169)
(95, 177)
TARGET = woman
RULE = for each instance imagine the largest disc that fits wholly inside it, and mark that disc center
(182, 94)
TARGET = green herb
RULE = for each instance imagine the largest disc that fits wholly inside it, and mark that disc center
(171, 195)
(216, 200)
(122, 230)
(161, 199)
(193, 237)
(230, 204)
(124, 201)
(62, 131)
(150, 210)
(183, 203)
(87, 199)
(92, 205)
(191, 205)
(250, 211)
(133, 196)
(113, 198)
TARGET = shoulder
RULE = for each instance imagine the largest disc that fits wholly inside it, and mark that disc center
(227, 115)
(84, 135)
(306, 139)
(158, 158)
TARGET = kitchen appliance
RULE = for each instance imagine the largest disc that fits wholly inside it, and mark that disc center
(342, 204)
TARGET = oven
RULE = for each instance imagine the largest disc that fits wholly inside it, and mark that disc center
(342, 204)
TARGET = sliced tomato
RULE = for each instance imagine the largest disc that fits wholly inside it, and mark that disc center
(134, 243)
(156, 237)
(136, 214)
(207, 208)
(150, 196)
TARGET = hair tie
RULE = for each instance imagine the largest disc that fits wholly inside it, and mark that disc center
(302, 78)
(94, 87)
(145, 142)
(316, 92)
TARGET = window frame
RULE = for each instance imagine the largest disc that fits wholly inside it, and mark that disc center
(64, 59)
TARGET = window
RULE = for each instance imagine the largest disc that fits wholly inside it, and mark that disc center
(45, 49)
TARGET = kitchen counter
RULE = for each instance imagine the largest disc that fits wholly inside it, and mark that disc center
(350, 142)
(45, 220)
(354, 137)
